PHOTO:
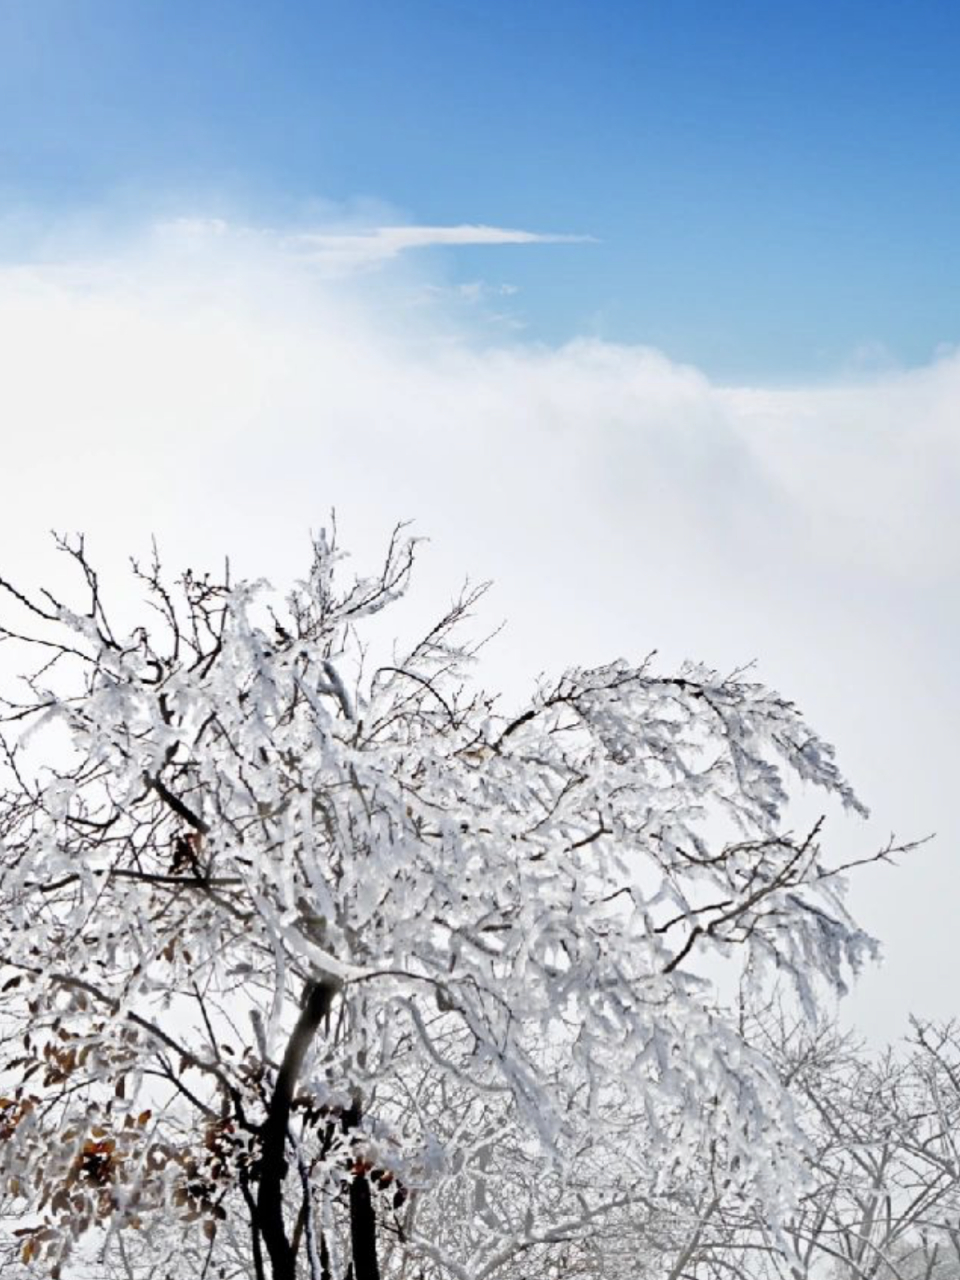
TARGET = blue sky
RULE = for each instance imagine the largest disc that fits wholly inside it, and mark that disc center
(773, 188)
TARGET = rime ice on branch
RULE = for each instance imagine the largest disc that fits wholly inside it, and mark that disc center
(288, 939)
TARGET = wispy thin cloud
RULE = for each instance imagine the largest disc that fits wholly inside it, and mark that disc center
(367, 248)
(340, 250)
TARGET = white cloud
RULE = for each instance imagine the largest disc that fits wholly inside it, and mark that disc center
(343, 250)
(204, 387)
(350, 250)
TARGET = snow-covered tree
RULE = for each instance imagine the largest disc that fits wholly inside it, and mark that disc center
(880, 1198)
(884, 1203)
(295, 940)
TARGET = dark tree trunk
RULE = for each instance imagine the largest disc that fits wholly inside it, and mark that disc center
(258, 1271)
(363, 1216)
(363, 1229)
(317, 999)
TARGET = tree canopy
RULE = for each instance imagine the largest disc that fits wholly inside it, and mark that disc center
(299, 944)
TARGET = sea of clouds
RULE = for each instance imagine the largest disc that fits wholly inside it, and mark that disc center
(224, 388)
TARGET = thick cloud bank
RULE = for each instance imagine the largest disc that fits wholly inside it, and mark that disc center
(220, 391)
